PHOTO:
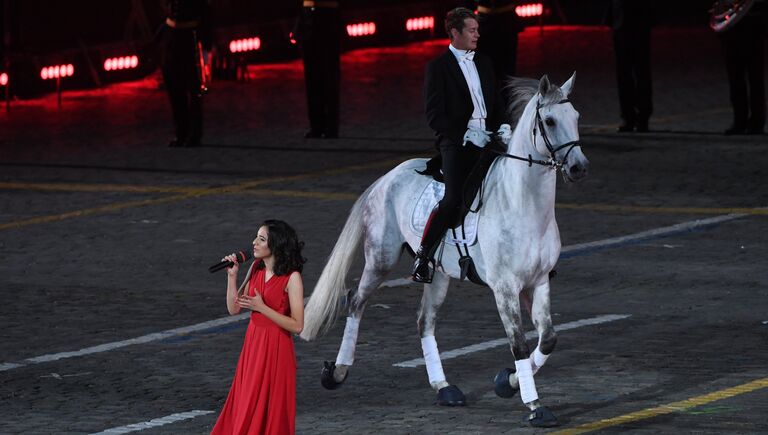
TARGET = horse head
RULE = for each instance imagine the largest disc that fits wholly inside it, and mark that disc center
(556, 128)
(546, 117)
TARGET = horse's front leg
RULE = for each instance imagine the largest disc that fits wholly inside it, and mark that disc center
(542, 320)
(508, 304)
(431, 300)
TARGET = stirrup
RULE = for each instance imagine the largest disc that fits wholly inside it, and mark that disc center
(421, 261)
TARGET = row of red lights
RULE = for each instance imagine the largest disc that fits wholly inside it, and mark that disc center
(247, 44)
(361, 29)
(57, 71)
(420, 23)
(530, 10)
(124, 62)
(251, 44)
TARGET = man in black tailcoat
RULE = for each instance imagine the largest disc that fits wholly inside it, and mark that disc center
(462, 106)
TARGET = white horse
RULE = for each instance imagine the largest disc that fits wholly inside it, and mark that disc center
(518, 245)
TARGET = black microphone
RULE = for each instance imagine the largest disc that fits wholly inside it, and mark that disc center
(242, 257)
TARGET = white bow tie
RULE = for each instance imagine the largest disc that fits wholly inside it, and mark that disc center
(469, 56)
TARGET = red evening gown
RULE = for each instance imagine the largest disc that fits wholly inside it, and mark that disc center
(262, 399)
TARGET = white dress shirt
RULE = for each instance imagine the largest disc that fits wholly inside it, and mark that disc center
(468, 68)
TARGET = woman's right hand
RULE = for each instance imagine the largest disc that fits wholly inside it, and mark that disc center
(232, 271)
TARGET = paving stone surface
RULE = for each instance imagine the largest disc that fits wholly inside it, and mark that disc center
(106, 235)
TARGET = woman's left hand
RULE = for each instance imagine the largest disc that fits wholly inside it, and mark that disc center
(255, 303)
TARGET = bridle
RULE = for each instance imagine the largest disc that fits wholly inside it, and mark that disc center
(552, 162)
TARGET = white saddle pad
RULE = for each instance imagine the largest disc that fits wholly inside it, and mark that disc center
(423, 207)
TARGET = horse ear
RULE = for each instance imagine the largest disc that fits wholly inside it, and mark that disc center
(568, 85)
(544, 85)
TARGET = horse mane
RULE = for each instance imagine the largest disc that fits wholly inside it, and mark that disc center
(520, 90)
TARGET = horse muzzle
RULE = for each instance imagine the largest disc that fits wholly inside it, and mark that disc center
(576, 171)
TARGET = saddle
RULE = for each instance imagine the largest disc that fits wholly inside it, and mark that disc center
(472, 186)
(474, 180)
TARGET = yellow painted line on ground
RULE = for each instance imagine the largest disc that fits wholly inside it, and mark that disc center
(664, 210)
(194, 193)
(342, 196)
(332, 196)
(668, 408)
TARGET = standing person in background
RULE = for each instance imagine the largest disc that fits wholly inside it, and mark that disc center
(499, 25)
(187, 25)
(744, 46)
(631, 21)
(319, 35)
(262, 399)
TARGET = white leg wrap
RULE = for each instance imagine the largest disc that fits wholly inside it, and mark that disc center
(432, 360)
(346, 354)
(537, 360)
(525, 378)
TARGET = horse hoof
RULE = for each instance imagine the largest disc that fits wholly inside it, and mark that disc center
(501, 384)
(326, 376)
(541, 417)
(450, 396)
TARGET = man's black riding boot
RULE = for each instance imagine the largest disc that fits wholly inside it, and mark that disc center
(433, 232)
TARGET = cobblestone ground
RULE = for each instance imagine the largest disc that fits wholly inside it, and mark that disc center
(106, 234)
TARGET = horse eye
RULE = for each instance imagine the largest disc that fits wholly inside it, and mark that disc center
(550, 122)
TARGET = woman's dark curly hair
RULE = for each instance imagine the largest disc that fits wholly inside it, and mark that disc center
(285, 247)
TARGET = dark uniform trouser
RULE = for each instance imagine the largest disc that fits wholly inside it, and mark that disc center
(633, 73)
(321, 51)
(744, 56)
(458, 162)
(499, 42)
(183, 84)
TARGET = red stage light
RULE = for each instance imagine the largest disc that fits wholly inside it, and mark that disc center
(361, 29)
(530, 10)
(57, 71)
(247, 44)
(421, 23)
(3, 79)
(123, 62)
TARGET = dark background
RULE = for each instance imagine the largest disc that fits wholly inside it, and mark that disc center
(39, 26)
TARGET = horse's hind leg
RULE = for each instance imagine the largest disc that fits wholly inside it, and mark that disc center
(432, 298)
(379, 261)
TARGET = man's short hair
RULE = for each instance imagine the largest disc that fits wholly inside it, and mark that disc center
(455, 19)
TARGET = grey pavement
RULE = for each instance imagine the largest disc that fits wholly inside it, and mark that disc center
(106, 235)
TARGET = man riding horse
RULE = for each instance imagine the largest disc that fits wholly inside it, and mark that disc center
(462, 103)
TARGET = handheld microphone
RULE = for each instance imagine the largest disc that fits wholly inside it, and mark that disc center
(242, 257)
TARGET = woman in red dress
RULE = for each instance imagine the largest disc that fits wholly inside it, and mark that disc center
(262, 399)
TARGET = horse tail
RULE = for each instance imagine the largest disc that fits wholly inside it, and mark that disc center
(323, 306)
